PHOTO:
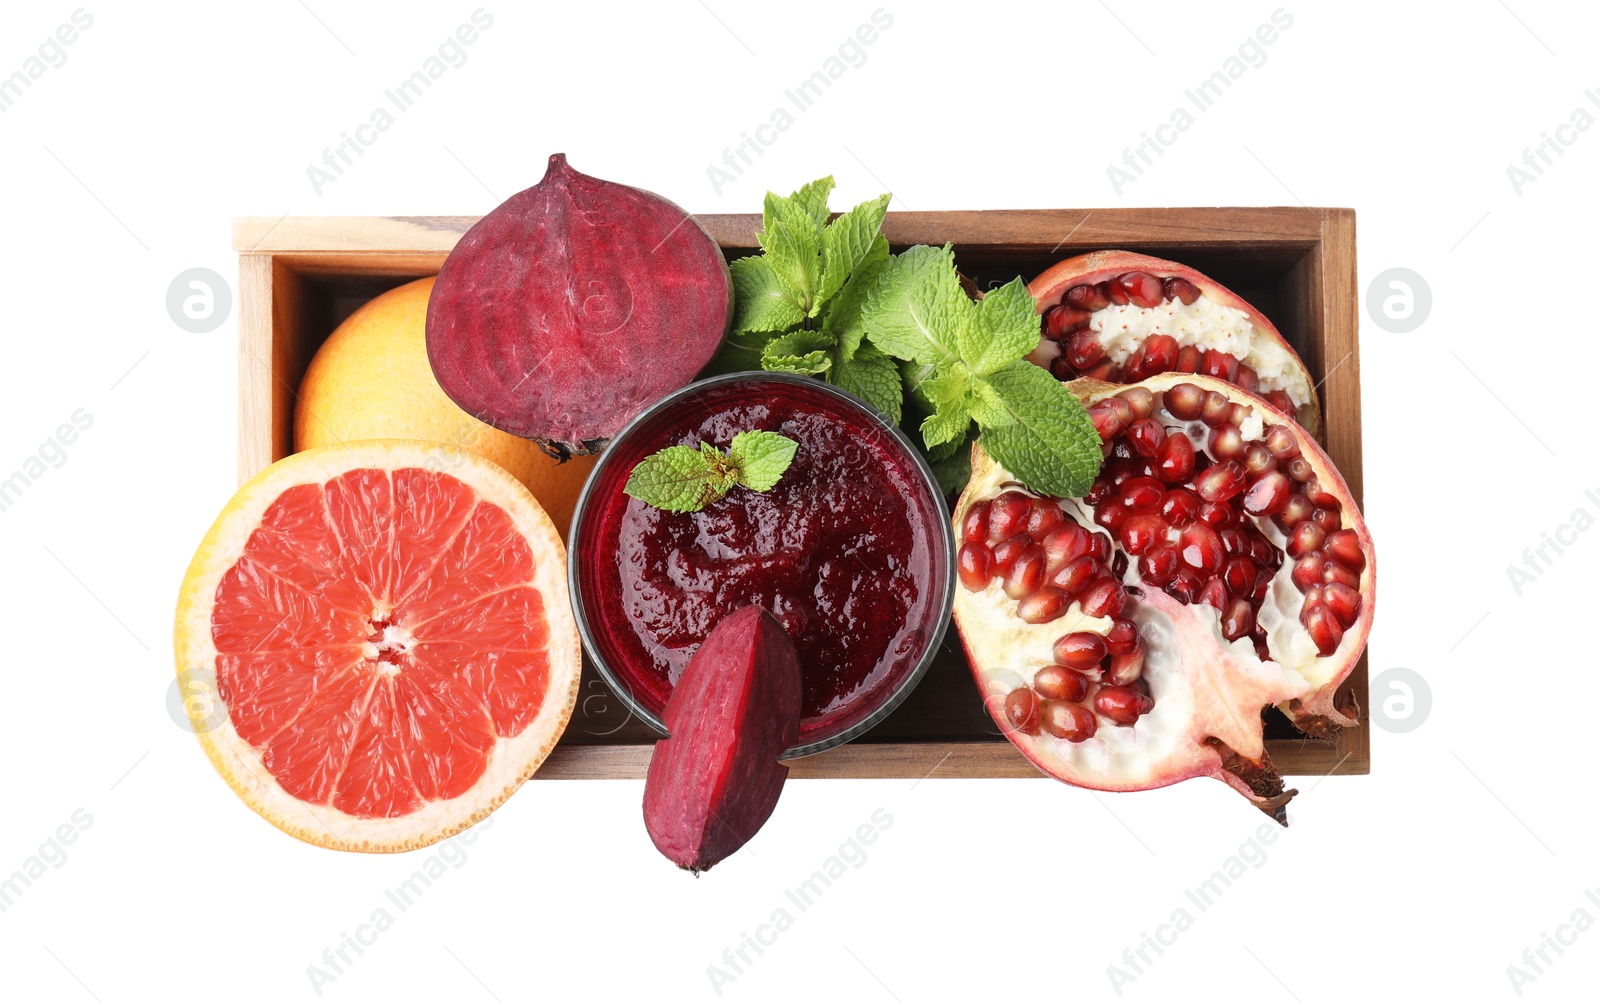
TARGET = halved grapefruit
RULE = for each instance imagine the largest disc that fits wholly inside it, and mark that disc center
(387, 628)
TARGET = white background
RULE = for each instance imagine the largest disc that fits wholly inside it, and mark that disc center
(1472, 838)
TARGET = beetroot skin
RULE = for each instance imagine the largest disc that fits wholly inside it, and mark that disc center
(574, 305)
(735, 709)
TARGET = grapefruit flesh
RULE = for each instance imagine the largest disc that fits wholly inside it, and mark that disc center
(392, 642)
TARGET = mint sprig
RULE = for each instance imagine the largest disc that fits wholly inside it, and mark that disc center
(967, 362)
(797, 305)
(685, 479)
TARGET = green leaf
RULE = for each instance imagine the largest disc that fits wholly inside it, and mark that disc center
(813, 199)
(1008, 329)
(916, 310)
(1051, 446)
(762, 302)
(945, 426)
(843, 316)
(761, 458)
(804, 352)
(846, 242)
(945, 450)
(952, 471)
(678, 479)
(792, 254)
(870, 375)
(985, 405)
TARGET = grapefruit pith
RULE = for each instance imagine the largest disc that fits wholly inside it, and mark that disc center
(387, 628)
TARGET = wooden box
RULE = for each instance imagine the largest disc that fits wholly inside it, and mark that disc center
(299, 277)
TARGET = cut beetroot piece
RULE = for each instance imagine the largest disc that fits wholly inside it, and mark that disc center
(735, 709)
(573, 306)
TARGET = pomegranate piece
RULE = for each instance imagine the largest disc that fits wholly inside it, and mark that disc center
(734, 711)
(1142, 288)
(1204, 539)
(1022, 711)
(1008, 515)
(974, 565)
(572, 306)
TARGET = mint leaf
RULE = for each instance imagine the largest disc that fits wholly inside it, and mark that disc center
(678, 479)
(945, 426)
(762, 301)
(846, 242)
(917, 307)
(1008, 326)
(1051, 445)
(812, 199)
(872, 376)
(843, 316)
(761, 458)
(792, 254)
(738, 353)
(803, 352)
(685, 479)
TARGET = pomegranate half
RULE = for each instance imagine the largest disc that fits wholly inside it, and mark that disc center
(1120, 317)
(1131, 638)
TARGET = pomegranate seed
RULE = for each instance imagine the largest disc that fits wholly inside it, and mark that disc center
(1214, 593)
(1057, 682)
(1124, 470)
(1219, 364)
(1026, 573)
(1323, 627)
(976, 525)
(1141, 532)
(1104, 597)
(1122, 409)
(1062, 369)
(1141, 494)
(1122, 704)
(1141, 400)
(1142, 288)
(974, 563)
(1067, 721)
(1100, 547)
(1233, 540)
(1280, 401)
(1175, 459)
(1080, 650)
(1180, 506)
(1008, 515)
(1119, 565)
(1147, 435)
(1086, 297)
(1333, 571)
(1106, 423)
(1062, 544)
(1345, 547)
(1104, 487)
(1327, 518)
(1263, 585)
(1076, 575)
(1258, 459)
(1319, 496)
(1158, 566)
(1237, 413)
(1111, 514)
(1083, 349)
(1221, 482)
(1238, 621)
(1343, 601)
(1123, 636)
(1304, 538)
(1217, 409)
(1307, 571)
(1184, 401)
(1263, 552)
(1188, 360)
(1226, 442)
(1182, 290)
(1022, 711)
(1044, 515)
(1268, 495)
(1239, 575)
(1060, 321)
(1300, 469)
(1043, 605)
(1282, 442)
(1185, 586)
(1126, 667)
(1247, 379)
(1217, 515)
(1114, 292)
(1007, 551)
(1160, 354)
(1296, 510)
(1102, 370)
(1201, 548)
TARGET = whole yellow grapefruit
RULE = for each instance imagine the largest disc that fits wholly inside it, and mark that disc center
(371, 380)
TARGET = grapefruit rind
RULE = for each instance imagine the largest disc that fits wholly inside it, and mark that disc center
(513, 760)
